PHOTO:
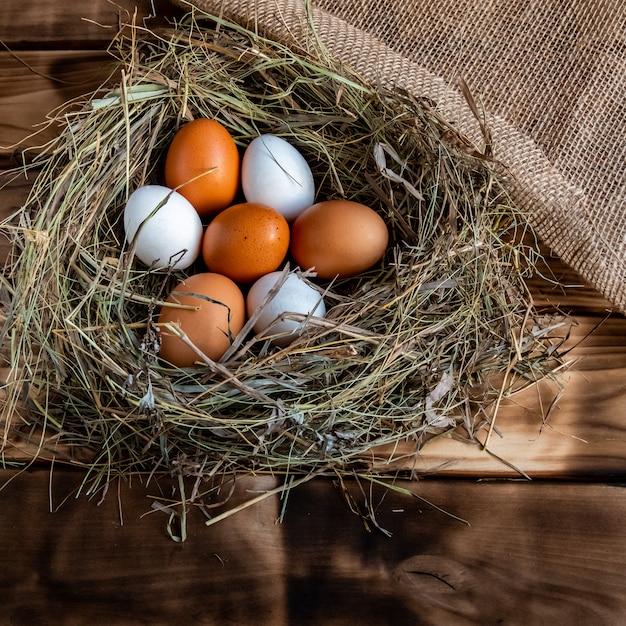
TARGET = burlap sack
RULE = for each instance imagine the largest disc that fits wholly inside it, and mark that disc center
(550, 75)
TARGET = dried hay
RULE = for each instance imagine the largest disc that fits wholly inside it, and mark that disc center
(428, 341)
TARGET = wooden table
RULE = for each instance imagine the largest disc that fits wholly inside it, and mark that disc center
(479, 544)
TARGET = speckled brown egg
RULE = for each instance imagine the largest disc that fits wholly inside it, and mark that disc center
(246, 241)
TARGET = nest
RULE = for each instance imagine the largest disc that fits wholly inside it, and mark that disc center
(427, 341)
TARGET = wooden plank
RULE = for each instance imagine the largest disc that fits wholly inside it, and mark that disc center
(570, 426)
(540, 553)
(39, 83)
(54, 53)
(67, 24)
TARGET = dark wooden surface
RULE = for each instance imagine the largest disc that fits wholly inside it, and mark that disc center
(549, 550)
(531, 554)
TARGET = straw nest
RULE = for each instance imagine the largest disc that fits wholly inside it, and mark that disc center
(427, 341)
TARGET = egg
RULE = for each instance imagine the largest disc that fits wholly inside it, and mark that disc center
(273, 172)
(246, 241)
(163, 227)
(217, 318)
(203, 164)
(295, 295)
(338, 238)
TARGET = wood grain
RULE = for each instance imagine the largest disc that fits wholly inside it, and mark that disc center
(70, 25)
(35, 85)
(538, 554)
(572, 426)
(54, 52)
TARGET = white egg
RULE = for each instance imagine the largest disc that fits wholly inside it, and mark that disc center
(168, 230)
(273, 172)
(295, 295)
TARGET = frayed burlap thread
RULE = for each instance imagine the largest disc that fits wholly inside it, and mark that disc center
(550, 79)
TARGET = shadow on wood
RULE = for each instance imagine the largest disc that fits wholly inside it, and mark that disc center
(530, 553)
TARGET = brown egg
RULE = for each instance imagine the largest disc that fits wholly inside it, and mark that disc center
(246, 241)
(219, 317)
(338, 238)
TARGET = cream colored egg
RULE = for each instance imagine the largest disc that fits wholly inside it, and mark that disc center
(295, 295)
(163, 227)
